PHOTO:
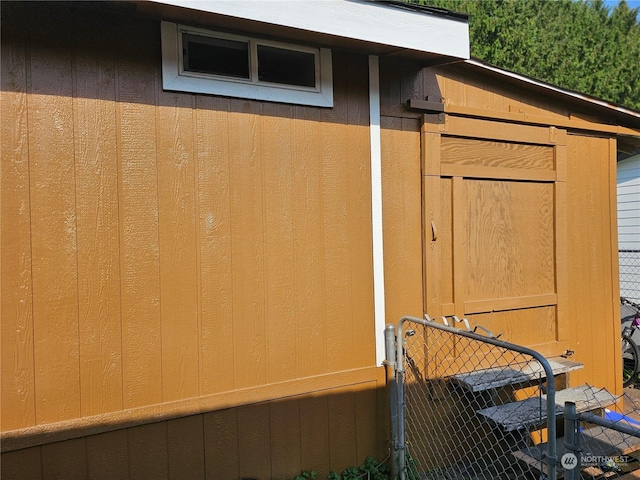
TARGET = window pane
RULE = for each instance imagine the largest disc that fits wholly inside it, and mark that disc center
(280, 65)
(217, 56)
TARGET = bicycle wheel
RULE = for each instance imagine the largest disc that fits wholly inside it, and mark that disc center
(630, 360)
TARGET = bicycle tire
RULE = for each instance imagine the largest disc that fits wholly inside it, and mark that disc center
(630, 360)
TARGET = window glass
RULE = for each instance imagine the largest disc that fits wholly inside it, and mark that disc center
(289, 67)
(217, 56)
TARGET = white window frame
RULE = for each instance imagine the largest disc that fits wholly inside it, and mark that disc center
(174, 77)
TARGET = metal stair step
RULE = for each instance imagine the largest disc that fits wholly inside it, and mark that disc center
(480, 380)
(532, 411)
(596, 441)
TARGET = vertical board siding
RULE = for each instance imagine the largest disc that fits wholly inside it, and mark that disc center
(97, 234)
(66, 460)
(314, 433)
(285, 432)
(107, 456)
(402, 217)
(18, 374)
(222, 454)
(53, 235)
(158, 247)
(139, 236)
(342, 427)
(335, 213)
(26, 463)
(148, 451)
(279, 439)
(215, 259)
(247, 245)
(254, 442)
(278, 180)
(590, 278)
(177, 248)
(186, 448)
(308, 246)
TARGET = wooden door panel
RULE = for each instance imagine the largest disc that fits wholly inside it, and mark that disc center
(529, 326)
(496, 154)
(509, 246)
(494, 228)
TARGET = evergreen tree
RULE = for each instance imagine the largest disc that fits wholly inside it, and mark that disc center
(580, 45)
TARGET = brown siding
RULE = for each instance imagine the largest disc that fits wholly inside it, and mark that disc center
(171, 254)
(590, 267)
(402, 217)
(592, 264)
(276, 439)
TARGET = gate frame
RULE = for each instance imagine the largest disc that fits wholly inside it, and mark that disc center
(394, 342)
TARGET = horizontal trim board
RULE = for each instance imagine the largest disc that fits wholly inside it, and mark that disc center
(536, 120)
(510, 303)
(503, 173)
(494, 129)
(95, 424)
(352, 19)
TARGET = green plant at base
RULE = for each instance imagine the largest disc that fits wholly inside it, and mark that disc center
(371, 469)
(412, 468)
(351, 473)
(374, 470)
(306, 475)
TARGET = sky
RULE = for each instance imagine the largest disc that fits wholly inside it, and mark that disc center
(631, 3)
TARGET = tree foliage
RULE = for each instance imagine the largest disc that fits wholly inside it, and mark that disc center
(580, 45)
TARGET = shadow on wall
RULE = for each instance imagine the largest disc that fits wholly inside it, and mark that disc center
(277, 439)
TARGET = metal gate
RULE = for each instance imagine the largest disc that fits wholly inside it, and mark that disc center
(467, 405)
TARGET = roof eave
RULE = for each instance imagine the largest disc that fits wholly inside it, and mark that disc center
(381, 24)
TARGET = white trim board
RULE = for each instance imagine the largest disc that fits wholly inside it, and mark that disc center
(376, 208)
(354, 19)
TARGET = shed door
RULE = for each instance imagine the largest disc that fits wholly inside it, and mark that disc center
(494, 228)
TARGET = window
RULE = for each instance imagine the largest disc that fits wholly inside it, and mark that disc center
(202, 61)
(216, 56)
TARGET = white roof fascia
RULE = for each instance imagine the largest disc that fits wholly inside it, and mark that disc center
(353, 19)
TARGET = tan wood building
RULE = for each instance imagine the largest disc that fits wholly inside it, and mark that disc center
(199, 256)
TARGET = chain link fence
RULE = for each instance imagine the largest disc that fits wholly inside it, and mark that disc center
(602, 444)
(468, 406)
(630, 274)
(474, 406)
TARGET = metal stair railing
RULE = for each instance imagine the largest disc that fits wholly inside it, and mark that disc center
(436, 432)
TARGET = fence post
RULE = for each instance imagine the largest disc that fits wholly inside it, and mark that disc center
(390, 363)
(401, 451)
(572, 442)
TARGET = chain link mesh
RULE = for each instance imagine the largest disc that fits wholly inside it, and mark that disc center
(630, 274)
(607, 452)
(461, 421)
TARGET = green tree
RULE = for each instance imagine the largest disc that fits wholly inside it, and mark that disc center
(580, 45)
